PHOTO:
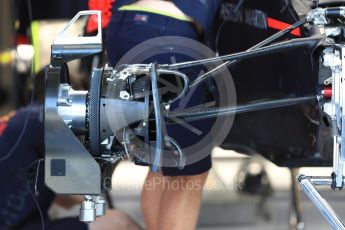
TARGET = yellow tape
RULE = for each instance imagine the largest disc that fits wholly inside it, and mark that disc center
(36, 44)
(6, 57)
(154, 11)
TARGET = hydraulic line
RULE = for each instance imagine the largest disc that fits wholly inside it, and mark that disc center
(265, 42)
(185, 82)
(201, 114)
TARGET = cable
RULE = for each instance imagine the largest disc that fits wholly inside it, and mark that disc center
(124, 143)
(20, 137)
(31, 18)
(36, 178)
(218, 35)
(259, 45)
(238, 5)
(158, 119)
(32, 194)
(234, 11)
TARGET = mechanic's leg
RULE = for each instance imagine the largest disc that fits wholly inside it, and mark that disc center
(151, 197)
(114, 220)
(180, 205)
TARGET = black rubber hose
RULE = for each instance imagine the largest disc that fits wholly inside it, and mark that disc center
(335, 12)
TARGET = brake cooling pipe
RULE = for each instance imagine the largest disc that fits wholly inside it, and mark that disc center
(158, 120)
(265, 42)
(201, 114)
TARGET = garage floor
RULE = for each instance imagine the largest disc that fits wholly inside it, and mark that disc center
(223, 207)
(278, 206)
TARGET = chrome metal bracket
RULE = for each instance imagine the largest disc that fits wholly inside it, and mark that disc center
(334, 58)
(66, 48)
(320, 16)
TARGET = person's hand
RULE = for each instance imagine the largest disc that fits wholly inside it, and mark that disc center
(114, 220)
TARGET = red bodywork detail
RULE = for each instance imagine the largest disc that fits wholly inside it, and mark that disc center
(106, 7)
(279, 25)
(327, 92)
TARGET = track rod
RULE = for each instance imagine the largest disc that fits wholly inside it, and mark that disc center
(200, 114)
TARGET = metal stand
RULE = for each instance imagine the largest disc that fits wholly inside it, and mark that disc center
(307, 185)
(296, 212)
(333, 104)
